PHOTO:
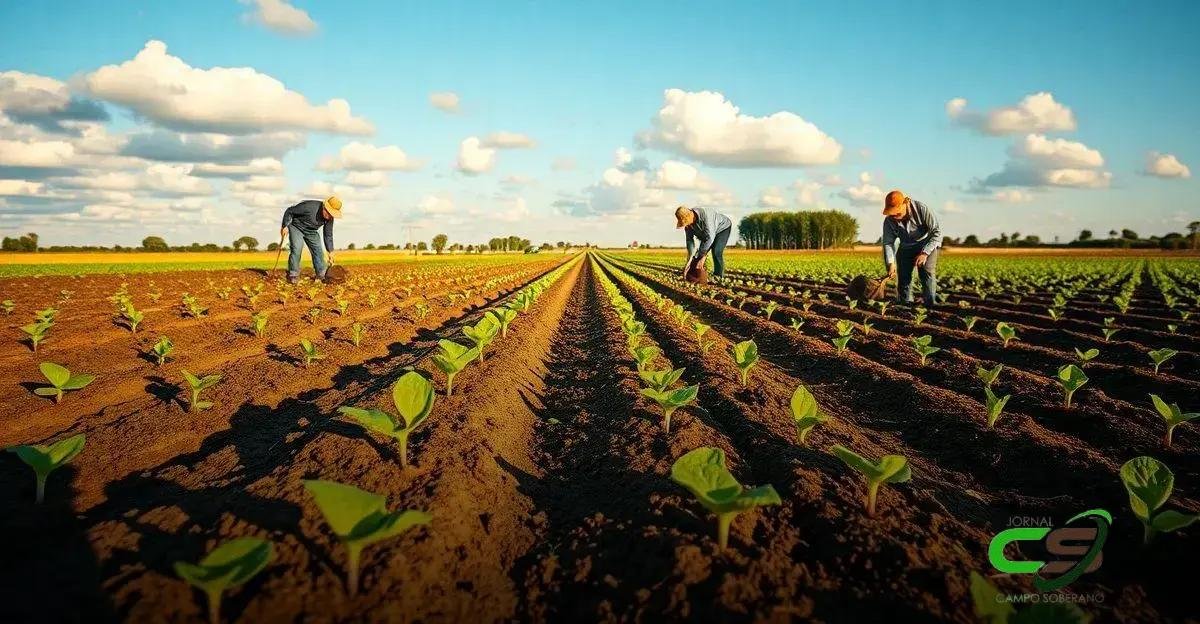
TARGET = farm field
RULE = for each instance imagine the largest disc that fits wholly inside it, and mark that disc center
(551, 424)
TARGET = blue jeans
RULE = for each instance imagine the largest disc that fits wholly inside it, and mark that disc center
(718, 251)
(297, 238)
(906, 259)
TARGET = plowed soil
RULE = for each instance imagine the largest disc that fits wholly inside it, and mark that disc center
(547, 471)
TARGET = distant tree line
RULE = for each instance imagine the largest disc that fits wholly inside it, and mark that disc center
(1124, 239)
(805, 229)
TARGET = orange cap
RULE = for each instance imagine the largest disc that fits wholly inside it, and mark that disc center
(893, 204)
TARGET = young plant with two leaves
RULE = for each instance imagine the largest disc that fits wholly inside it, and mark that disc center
(162, 350)
(46, 458)
(413, 397)
(452, 359)
(922, 346)
(359, 518)
(889, 469)
(1071, 378)
(227, 566)
(670, 400)
(806, 412)
(61, 380)
(309, 352)
(745, 356)
(702, 471)
(482, 333)
(1149, 483)
(1172, 415)
(197, 385)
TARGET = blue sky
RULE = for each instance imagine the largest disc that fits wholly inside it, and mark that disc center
(861, 89)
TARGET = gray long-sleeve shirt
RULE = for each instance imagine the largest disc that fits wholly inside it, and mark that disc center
(704, 229)
(307, 216)
(919, 229)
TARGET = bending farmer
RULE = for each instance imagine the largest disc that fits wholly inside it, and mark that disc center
(302, 224)
(911, 237)
(711, 229)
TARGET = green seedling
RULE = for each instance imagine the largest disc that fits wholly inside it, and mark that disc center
(923, 347)
(413, 397)
(453, 358)
(706, 346)
(342, 306)
(1071, 378)
(1160, 356)
(1109, 332)
(482, 333)
(1086, 356)
(889, 469)
(702, 471)
(503, 317)
(133, 318)
(995, 405)
(162, 349)
(992, 607)
(1172, 414)
(359, 519)
(1055, 314)
(258, 323)
(969, 322)
(421, 310)
(866, 328)
(919, 315)
(851, 303)
(45, 458)
(36, 333)
(1149, 483)
(60, 380)
(314, 313)
(745, 355)
(1006, 332)
(357, 331)
(988, 376)
(197, 385)
(660, 380)
(671, 400)
(806, 412)
(228, 565)
(309, 352)
(644, 355)
(882, 306)
(840, 342)
(770, 309)
(700, 329)
(1110, 321)
(796, 324)
(8, 306)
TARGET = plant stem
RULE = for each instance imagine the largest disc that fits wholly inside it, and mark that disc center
(352, 561)
(214, 606)
(1170, 431)
(41, 487)
(723, 522)
(449, 384)
(872, 492)
(1147, 533)
(667, 420)
(403, 438)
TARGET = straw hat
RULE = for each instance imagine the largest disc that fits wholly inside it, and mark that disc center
(334, 206)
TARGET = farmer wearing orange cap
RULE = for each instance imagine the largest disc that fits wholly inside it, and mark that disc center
(711, 230)
(302, 224)
(911, 237)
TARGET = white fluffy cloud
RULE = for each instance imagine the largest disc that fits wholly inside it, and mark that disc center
(233, 100)
(367, 178)
(34, 153)
(1036, 161)
(1165, 166)
(168, 146)
(254, 167)
(356, 156)
(707, 127)
(680, 176)
(806, 191)
(445, 101)
(1011, 196)
(509, 140)
(864, 193)
(20, 188)
(1035, 113)
(771, 197)
(474, 157)
(439, 204)
(157, 178)
(44, 102)
(280, 16)
(260, 183)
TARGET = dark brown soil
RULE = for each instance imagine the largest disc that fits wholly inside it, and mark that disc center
(547, 472)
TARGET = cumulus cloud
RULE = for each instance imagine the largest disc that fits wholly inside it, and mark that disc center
(439, 204)
(1035, 113)
(1036, 161)
(864, 193)
(1165, 166)
(254, 167)
(230, 100)
(680, 176)
(260, 183)
(367, 178)
(806, 191)
(508, 140)
(1010, 196)
(771, 197)
(280, 16)
(445, 101)
(20, 188)
(708, 128)
(168, 146)
(36, 154)
(474, 157)
(356, 156)
(45, 102)
(158, 178)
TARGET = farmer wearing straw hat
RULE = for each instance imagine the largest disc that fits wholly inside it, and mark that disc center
(711, 229)
(911, 238)
(302, 223)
